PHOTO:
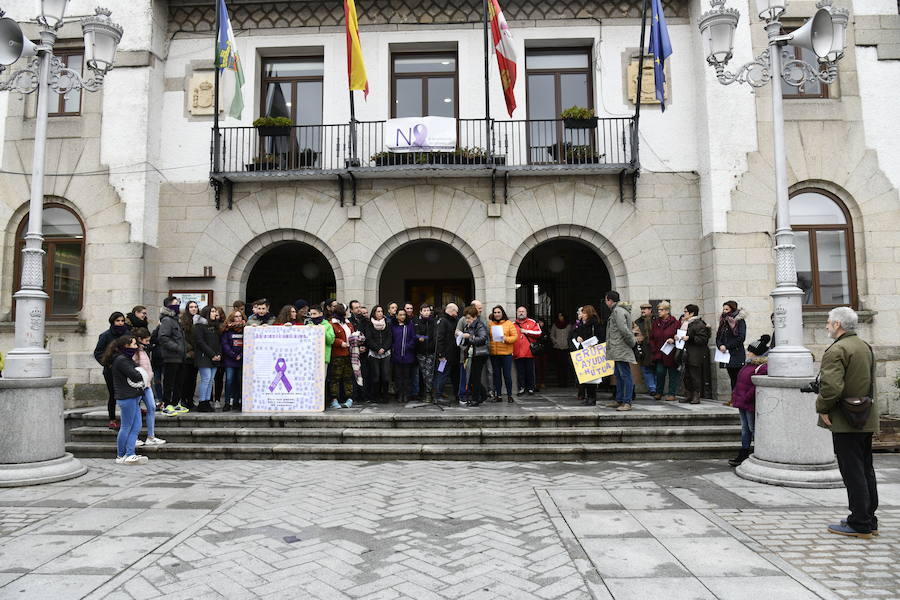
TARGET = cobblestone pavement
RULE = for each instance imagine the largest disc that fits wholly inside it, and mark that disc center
(429, 530)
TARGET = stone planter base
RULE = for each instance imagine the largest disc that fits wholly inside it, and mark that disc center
(36, 473)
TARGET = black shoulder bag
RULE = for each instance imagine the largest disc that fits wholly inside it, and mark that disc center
(858, 410)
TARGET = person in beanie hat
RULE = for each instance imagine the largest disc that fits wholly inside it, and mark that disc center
(117, 328)
(743, 397)
(302, 307)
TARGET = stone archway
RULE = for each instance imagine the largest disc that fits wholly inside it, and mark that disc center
(255, 249)
(392, 245)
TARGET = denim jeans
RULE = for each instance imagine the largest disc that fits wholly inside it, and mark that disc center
(130, 414)
(748, 426)
(649, 374)
(206, 379)
(624, 382)
(662, 371)
(150, 403)
(525, 373)
(502, 364)
(461, 390)
(233, 377)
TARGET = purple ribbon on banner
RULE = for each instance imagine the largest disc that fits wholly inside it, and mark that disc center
(280, 368)
(420, 135)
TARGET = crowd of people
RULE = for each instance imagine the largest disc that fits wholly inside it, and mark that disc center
(448, 356)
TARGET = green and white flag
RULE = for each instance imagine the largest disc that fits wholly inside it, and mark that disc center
(227, 59)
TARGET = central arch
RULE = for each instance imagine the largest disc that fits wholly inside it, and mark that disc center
(450, 251)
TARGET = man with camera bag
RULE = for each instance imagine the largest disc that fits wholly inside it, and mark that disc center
(846, 405)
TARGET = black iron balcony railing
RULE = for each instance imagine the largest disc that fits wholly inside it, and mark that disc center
(604, 144)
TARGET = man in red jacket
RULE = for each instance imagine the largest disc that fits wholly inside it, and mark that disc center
(529, 331)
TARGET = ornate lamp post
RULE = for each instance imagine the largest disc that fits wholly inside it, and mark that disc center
(29, 396)
(787, 452)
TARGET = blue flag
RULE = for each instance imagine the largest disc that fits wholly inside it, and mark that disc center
(660, 48)
(227, 59)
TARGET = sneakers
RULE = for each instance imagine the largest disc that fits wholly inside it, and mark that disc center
(670, 398)
(335, 404)
(205, 407)
(509, 399)
(521, 391)
(226, 406)
(625, 406)
(138, 443)
(844, 529)
(134, 459)
(613, 404)
(844, 522)
(348, 403)
(154, 441)
(531, 392)
(181, 409)
(170, 411)
(114, 425)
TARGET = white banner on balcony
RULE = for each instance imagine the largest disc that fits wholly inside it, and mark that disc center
(420, 134)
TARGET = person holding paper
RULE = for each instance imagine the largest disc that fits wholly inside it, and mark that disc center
(730, 338)
(379, 340)
(696, 353)
(642, 328)
(446, 352)
(662, 333)
(528, 332)
(476, 351)
(590, 327)
(503, 339)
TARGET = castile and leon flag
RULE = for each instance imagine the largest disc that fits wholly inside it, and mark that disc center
(506, 53)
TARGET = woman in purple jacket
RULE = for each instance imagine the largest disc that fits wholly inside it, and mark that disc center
(233, 359)
(743, 397)
(403, 352)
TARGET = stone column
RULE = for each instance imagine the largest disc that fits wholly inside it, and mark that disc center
(32, 433)
(789, 449)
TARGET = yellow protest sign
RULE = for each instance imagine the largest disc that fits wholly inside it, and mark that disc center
(591, 364)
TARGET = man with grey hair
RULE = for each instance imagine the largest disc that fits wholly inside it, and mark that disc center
(446, 363)
(848, 371)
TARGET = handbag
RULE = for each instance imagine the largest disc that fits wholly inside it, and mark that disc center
(537, 348)
(482, 350)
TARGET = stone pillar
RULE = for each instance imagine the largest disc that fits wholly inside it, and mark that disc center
(790, 449)
(32, 433)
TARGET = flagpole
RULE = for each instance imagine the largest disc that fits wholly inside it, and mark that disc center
(354, 161)
(487, 88)
(216, 140)
(635, 157)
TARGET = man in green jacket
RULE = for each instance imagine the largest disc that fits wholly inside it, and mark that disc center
(848, 371)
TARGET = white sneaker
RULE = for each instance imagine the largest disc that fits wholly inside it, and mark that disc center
(120, 459)
(155, 441)
(138, 443)
(135, 459)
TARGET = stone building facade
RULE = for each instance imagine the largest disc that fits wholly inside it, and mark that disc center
(133, 169)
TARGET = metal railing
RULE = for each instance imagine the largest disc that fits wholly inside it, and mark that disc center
(522, 145)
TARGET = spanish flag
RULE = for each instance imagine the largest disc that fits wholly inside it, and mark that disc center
(356, 68)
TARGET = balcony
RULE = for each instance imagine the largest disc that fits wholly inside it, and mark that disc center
(322, 151)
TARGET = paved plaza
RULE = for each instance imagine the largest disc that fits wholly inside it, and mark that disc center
(433, 530)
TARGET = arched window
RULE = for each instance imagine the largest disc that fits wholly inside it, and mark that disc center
(824, 237)
(63, 261)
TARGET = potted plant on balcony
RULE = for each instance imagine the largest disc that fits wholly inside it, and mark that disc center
(273, 126)
(574, 153)
(306, 158)
(264, 162)
(577, 117)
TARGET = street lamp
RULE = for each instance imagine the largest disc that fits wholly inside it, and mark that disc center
(795, 455)
(29, 396)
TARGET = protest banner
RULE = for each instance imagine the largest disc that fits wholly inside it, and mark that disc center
(591, 365)
(284, 369)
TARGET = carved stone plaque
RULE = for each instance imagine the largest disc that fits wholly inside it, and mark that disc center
(648, 87)
(201, 94)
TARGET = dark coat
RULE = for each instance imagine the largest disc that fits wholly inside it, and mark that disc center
(103, 342)
(425, 328)
(378, 340)
(662, 330)
(232, 348)
(171, 337)
(645, 326)
(403, 348)
(696, 350)
(847, 371)
(127, 380)
(478, 334)
(445, 338)
(590, 328)
(207, 344)
(733, 340)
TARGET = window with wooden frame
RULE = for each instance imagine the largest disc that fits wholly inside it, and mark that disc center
(424, 84)
(292, 88)
(63, 260)
(813, 89)
(823, 234)
(557, 79)
(68, 105)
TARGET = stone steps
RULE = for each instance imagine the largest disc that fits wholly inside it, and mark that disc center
(439, 436)
(370, 452)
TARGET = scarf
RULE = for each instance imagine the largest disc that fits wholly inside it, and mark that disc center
(317, 320)
(135, 322)
(129, 352)
(355, 343)
(728, 320)
(119, 329)
(175, 308)
(379, 325)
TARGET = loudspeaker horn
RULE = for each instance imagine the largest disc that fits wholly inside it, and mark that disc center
(816, 35)
(13, 43)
